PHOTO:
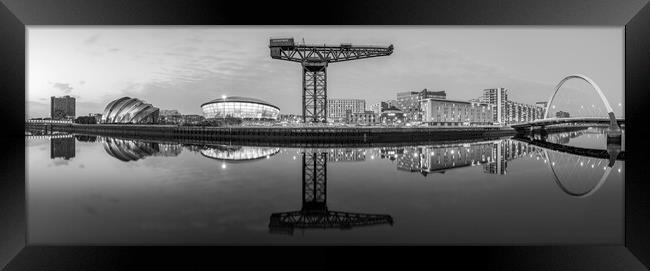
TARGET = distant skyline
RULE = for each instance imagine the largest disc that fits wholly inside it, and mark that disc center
(182, 67)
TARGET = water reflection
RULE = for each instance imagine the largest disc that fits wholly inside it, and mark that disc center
(314, 212)
(237, 153)
(132, 150)
(62, 146)
(511, 185)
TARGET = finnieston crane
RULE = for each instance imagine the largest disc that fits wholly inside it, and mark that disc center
(314, 60)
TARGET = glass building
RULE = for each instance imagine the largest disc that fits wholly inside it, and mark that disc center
(241, 108)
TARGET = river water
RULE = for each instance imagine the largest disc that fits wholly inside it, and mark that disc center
(102, 190)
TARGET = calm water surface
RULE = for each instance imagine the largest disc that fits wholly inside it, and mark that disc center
(102, 190)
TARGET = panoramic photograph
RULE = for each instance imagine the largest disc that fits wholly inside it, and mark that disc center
(277, 135)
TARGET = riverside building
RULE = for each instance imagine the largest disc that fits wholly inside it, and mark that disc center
(337, 108)
(62, 107)
(443, 112)
(409, 102)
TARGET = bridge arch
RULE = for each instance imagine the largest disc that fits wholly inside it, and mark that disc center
(612, 118)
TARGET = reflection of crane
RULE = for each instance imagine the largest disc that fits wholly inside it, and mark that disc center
(314, 60)
(314, 212)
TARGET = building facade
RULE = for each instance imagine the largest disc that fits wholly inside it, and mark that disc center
(383, 105)
(443, 112)
(337, 108)
(367, 117)
(497, 98)
(391, 116)
(520, 112)
(409, 102)
(62, 107)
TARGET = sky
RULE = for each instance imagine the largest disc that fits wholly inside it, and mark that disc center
(182, 67)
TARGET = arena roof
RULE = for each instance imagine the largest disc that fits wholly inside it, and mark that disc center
(240, 99)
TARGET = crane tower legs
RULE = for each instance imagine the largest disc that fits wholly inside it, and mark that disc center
(314, 92)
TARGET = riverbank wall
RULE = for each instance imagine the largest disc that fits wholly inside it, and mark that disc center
(282, 134)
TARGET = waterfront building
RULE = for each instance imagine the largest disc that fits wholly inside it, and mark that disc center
(62, 107)
(97, 116)
(520, 112)
(409, 102)
(192, 119)
(562, 114)
(290, 118)
(367, 117)
(392, 116)
(443, 112)
(505, 111)
(497, 98)
(383, 105)
(542, 104)
(378, 107)
(130, 110)
(337, 108)
(240, 108)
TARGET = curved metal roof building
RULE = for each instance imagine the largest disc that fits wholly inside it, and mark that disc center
(240, 107)
(130, 110)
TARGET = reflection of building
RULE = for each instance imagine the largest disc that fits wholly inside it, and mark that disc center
(62, 147)
(62, 107)
(430, 159)
(337, 108)
(442, 112)
(240, 108)
(409, 102)
(346, 155)
(504, 151)
(391, 153)
(493, 155)
(132, 150)
(86, 138)
(367, 117)
(238, 153)
(130, 110)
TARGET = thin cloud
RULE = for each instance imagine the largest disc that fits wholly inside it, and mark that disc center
(65, 87)
(92, 39)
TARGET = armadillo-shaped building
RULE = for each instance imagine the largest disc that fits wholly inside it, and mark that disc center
(130, 110)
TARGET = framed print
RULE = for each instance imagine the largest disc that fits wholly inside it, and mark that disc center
(192, 133)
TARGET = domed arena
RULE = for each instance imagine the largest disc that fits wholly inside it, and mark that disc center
(240, 108)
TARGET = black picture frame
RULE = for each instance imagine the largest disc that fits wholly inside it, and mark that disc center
(15, 15)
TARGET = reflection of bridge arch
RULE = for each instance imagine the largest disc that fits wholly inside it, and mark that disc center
(610, 111)
(585, 194)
